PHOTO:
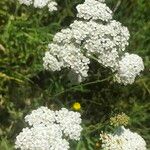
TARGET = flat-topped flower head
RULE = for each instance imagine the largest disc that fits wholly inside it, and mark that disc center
(129, 67)
(94, 35)
(119, 120)
(70, 123)
(51, 4)
(95, 10)
(68, 55)
(39, 137)
(42, 115)
(26, 2)
(122, 139)
(49, 130)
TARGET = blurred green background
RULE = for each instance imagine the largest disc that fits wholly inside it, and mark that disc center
(25, 85)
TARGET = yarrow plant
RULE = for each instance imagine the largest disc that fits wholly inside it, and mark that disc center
(122, 139)
(51, 4)
(119, 120)
(49, 130)
(95, 35)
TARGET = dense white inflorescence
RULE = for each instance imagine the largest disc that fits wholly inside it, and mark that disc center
(51, 61)
(42, 115)
(67, 55)
(39, 137)
(122, 139)
(93, 35)
(95, 10)
(49, 130)
(129, 67)
(26, 2)
(69, 121)
(51, 4)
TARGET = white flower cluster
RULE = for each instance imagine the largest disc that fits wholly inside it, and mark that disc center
(99, 10)
(122, 139)
(67, 55)
(49, 130)
(51, 4)
(96, 35)
(129, 67)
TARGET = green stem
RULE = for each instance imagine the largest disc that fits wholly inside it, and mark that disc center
(83, 85)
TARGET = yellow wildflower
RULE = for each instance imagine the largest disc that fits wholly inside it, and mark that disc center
(76, 106)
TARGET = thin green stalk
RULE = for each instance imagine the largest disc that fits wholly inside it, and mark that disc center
(83, 85)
